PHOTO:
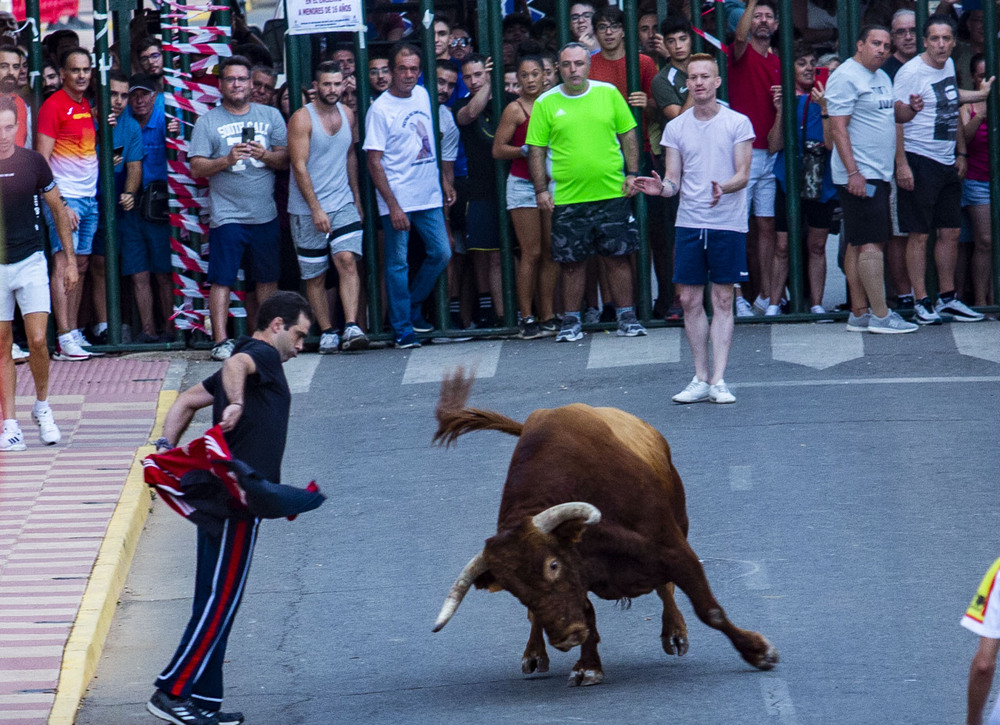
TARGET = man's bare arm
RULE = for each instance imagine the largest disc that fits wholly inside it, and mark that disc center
(182, 411)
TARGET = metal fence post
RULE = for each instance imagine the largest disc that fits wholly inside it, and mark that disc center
(921, 11)
(720, 31)
(845, 38)
(790, 131)
(642, 298)
(696, 23)
(562, 20)
(32, 12)
(993, 121)
(293, 66)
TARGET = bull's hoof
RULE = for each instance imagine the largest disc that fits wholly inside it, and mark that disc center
(765, 660)
(534, 663)
(677, 644)
(585, 678)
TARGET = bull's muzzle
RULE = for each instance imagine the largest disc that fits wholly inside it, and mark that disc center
(577, 635)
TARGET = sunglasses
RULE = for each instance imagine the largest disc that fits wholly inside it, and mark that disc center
(460, 42)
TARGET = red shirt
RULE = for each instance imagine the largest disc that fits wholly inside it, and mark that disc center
(750, 81)
(74, 155)
(615, 72)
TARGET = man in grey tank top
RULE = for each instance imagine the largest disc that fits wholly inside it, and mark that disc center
(324, 205)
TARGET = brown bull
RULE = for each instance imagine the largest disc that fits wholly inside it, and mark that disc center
(592, 502)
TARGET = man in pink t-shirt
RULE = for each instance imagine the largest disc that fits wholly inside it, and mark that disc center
(753, 70)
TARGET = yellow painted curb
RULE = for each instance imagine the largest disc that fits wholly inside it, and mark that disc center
(93, 620)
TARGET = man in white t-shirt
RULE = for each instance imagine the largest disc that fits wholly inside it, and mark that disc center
(930, 169)
(402, 161)
(983, 618)
(708, 154)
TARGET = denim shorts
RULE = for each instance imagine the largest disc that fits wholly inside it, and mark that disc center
(702, 255)
(975, 193)
(762, 184)
(83, 237)
(520, 193)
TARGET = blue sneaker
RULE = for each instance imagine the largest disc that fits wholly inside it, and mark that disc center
(571, 329)
(408, 341)
(420, 324)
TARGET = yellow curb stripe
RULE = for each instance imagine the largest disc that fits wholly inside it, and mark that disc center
(100, 600)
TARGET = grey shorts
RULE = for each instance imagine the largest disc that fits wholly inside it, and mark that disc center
(593, 227)
(314, 248)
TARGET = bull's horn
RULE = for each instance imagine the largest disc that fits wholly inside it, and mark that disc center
(550, 518)
(475, 567)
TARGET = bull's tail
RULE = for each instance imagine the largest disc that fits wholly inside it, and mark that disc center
(454, 418)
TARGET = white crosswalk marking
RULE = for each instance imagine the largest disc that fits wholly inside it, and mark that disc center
(980, 339)
(778, 700)
(611, 351)
(299, 371)
(740, 478)
(815, 346)
(430, 363)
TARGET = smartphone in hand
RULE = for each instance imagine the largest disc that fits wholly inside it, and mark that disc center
(249, 135)
(822, 76)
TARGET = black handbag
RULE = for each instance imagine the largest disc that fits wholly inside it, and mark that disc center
(153, 205)
(813, 163)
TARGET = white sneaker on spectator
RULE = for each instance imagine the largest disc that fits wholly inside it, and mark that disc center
(223, 350)
(695, 392)
(329, 342)
(719, 393)
(12, 439)
(18, 354)
(48, 431)
(772, 311)
(760, 305)
(958, 311)
(68, 349)
(743, 308)
(354, 339)
(84, 343)
(592, 316)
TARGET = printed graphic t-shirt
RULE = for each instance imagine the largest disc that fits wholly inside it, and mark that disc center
(866, 97)
(74, 155)
(23, 177)
(402, 130)
(932, 132)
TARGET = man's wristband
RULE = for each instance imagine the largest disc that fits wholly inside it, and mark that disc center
(631, 173)
(824, 116)
(856, 171)
(239, 404)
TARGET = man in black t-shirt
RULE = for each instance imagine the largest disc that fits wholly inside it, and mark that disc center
(250, 401)
(24, 275)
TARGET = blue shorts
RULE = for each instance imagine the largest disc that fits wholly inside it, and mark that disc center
(975, 193)
(227, 245)
(701, 255)
(83, 237)
(145, 246)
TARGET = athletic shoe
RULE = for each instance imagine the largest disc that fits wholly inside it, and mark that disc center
(760, 305)
(85, 343)
(629, 326)
(529, 329)
(223, 350)
(353, 339)
(818, 310)
(695, 392)
(924, 314)
(550, 326)
(421, 325)
(719, 393)
(48, 431)
(329, 342)
(12, 440)
(408, 341)
(571, 329)
(230, 718)
(18, 354)
(858, 323)
(592, 316)
(958, 310)
(69, 350)
(772, 311)
(144, 338)
(178, 711)
(743, 308)
(891, 324)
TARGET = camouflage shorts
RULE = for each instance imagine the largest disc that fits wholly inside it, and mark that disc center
(594, 227)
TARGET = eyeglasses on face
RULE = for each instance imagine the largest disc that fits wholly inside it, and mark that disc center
(605, 27)
(150, 57)
(232, 80)
(460, 42)
(580, 16)
(904, 31)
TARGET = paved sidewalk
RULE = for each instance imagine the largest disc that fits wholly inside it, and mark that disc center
(60, 507)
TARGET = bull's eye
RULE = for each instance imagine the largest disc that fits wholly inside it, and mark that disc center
(553, 565)
(552, 570)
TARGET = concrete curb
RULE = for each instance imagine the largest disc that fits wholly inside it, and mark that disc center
(100, 600)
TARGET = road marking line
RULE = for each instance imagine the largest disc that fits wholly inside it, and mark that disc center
(815, 346)
(429, 364)
(299, 371)
(981, 341)
(865, 381)
(778, 700)
(611, 351)
(740, 478)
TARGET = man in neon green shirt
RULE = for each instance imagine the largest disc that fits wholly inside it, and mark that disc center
(590, 132)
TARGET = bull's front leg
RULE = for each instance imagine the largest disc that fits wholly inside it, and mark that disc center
(587, 670)
(674, 636)
(535, 658)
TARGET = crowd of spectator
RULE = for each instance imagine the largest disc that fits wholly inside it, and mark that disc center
(891, 141)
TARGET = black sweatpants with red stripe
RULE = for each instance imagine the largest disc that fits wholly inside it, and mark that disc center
(223, 564)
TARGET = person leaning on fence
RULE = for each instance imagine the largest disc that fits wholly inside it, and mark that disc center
(324, 202)
(11, 62)
(402, 162)
(244, 217)
(859, 103)
(818, 195)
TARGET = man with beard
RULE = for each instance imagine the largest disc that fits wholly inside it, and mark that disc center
(324, 203)
(379, 74)
(67, 140)
(240, 173)
(11, 62)
(51, 82)
(149, 52)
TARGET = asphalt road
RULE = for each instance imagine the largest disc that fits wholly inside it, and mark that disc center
(845, 507)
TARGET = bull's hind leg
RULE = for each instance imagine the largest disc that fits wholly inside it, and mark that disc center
(684, 569)
(674, 636)
(587, 670)
(535, 658)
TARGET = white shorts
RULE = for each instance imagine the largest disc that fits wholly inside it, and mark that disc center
(26, 283)
(762, 184)
(520, 193)
(314, 248)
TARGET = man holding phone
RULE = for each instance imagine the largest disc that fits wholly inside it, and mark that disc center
(237, 146)
(860, 105)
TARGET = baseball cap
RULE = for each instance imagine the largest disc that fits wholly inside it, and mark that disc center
(142, 81)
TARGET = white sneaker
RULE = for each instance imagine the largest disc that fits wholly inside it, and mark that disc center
(743, 308)
(695, 392)
(719, 393)
(84, 343)
(48, 431)
(329, 342)
(760, 305)
(12, 440)
(818, 310)
(67, 348)
(18, 354)
(772, 311)
(354, 339)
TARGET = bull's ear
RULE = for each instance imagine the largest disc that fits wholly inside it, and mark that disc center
(486, 580)
(570, 532)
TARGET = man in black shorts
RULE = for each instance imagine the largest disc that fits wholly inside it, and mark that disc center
(24, 274)
(250, 400)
